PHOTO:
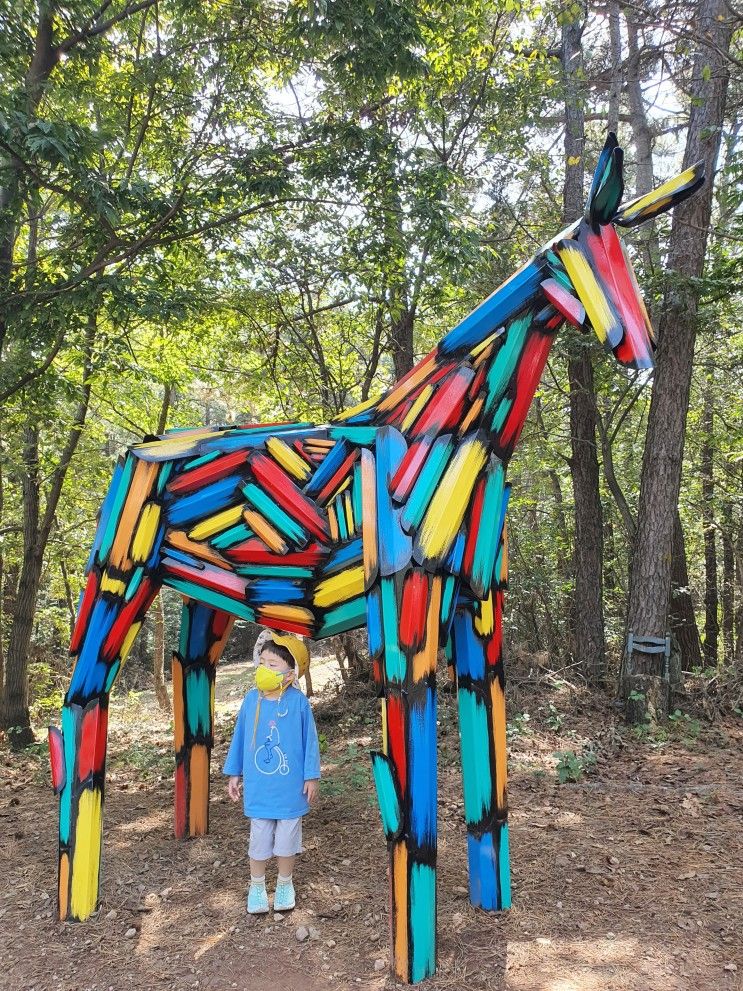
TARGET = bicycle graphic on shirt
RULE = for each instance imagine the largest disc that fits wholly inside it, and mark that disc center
(270, 758)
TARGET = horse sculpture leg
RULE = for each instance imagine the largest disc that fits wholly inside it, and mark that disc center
(204, 633)
(476, 650)
(120, 589)
(404, 615)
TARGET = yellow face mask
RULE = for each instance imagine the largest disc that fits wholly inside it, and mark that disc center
(267, 680)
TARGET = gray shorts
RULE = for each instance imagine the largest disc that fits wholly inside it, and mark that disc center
(275, 838)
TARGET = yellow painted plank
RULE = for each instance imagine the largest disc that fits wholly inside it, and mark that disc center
(348, 510)
(129, 641)
(447, 507)
(484, 623)
(113, 585)
(144, 535)
(592, 296)
(359, 408)
(290, 613)
(288, 458)
(340, 587)
(658, 198)
(216, 524)
(87, 854)
(335, 533)
(412, 415)
(483, 350)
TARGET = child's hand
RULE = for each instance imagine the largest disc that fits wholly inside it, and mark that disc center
(233, 787)
(311, 789)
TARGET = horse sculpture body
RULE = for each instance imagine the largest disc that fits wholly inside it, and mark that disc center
(391, 516)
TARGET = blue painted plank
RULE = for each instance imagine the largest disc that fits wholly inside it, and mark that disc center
(374, 621)
(206, 502)
(328, 467)
(347, 616)
(387, 795)
(273, 512)
(497, 309)
(426, 483)
(394, 545)
(264, 591)
(469, 649)
(344, 557)
(422, 921)
(116, 505)
(422, 772)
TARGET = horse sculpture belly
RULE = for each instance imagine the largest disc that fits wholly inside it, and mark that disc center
(393, 517)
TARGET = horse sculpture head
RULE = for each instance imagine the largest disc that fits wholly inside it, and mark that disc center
(591, 281)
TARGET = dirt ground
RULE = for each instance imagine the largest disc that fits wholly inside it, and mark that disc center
(630, 878)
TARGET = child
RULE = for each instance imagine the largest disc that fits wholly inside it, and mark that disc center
(276, 753)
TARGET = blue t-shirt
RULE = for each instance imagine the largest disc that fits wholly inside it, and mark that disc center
(276, 761)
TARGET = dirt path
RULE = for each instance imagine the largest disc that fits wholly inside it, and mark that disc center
(629, 879)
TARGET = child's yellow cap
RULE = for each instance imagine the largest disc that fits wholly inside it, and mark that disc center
(296, 647)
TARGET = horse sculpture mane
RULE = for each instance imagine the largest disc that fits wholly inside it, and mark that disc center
(390, 516)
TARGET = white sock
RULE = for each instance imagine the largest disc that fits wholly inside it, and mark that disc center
(284, 880)
(258, 882)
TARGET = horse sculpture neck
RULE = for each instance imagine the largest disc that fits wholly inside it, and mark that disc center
(467, 383)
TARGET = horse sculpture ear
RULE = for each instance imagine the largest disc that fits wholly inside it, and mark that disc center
(607, 186)
(668, 195)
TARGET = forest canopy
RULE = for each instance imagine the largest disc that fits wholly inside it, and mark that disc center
(264, 211)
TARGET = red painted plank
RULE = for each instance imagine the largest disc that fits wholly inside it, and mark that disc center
(396, 737)
(278, 484)
(408, 469)
(338, 477)
(253, 551)
(474, 528)
(138, 605)
(531, 365)
(92, 750)
(81, 623)
(614, 269)
(493, 650)
(413, 611)
(446, 405)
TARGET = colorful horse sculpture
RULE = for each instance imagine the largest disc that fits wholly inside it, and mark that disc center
(390, 516)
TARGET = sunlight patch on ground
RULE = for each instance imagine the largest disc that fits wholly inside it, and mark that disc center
(145, 824)
(588, 965)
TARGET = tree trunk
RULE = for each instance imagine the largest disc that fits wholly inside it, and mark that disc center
(728, 583)
(15, 715)
(36, 531)
(650, 583)
(588, 609)
(683, 621)
(711, 597)
(401, 339)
